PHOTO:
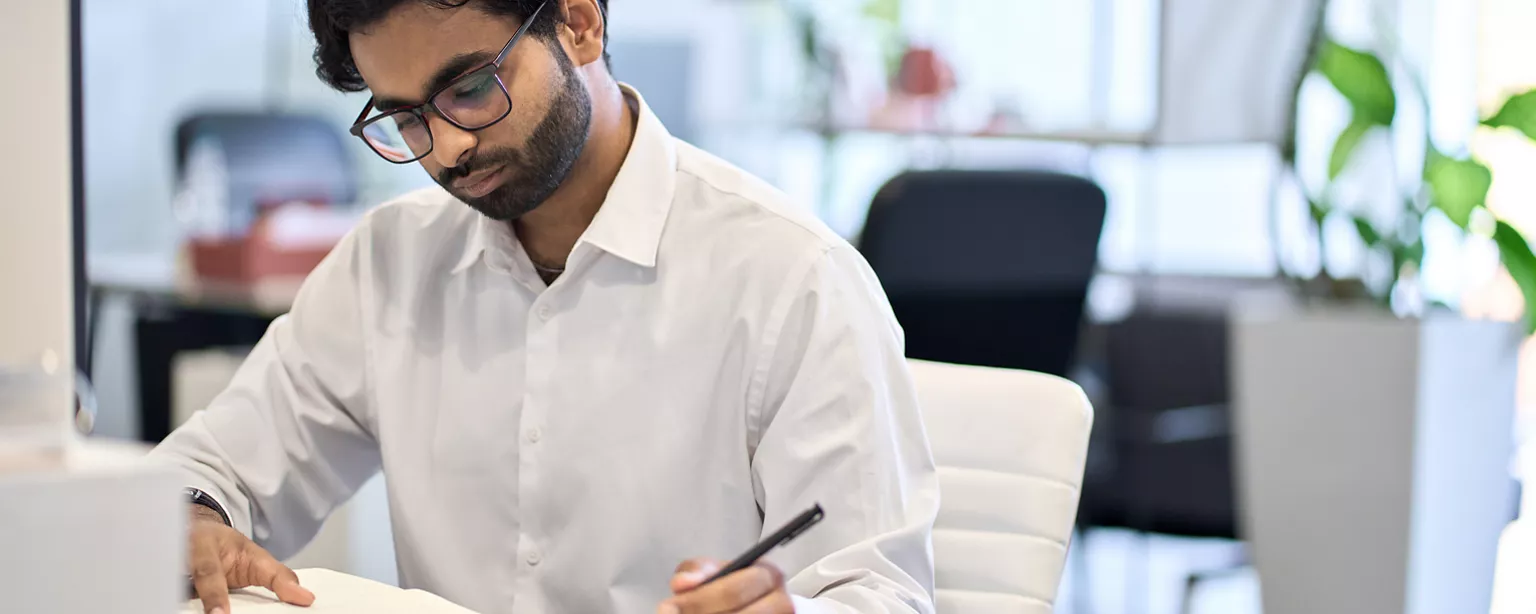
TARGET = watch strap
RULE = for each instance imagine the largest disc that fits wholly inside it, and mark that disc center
(198, 497)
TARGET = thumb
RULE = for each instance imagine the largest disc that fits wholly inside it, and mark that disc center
(693, 572)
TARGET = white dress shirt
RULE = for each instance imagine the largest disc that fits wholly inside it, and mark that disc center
(712, 362)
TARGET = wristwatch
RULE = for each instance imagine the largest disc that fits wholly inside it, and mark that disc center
(198, 497)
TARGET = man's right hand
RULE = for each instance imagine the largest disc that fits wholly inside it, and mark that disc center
(221, 558)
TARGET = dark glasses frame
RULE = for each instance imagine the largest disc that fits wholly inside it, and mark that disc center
(358, 125)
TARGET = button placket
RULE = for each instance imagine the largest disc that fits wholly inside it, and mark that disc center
(541, 354)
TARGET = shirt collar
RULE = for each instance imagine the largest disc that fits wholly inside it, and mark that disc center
(630, 222)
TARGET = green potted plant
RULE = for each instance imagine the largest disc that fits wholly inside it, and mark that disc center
(1373, 450)
(1454, 184)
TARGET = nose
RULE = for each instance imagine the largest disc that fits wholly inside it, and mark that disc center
(451, 145)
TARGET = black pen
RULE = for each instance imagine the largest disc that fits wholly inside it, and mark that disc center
(804, 521)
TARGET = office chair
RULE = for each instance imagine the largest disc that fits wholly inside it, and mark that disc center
(1162, 459)
(1010, 447)
(1167, 426)
(270, 159)
(987, 268)
(266, 159)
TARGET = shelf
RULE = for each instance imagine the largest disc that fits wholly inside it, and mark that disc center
(1085, 137)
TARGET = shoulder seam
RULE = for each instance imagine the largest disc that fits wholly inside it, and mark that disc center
(821, 241)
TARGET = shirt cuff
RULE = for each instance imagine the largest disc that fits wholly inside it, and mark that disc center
(239, 520)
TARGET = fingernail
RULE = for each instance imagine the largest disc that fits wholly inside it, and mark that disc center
(700, 573)
(667, 608)
(219, 610)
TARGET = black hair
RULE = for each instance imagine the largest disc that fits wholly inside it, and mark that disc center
(332, 21)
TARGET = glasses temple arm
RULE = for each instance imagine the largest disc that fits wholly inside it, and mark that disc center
(505, 49)
(357, 124)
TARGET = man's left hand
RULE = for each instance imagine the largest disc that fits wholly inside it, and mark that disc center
(758, 589)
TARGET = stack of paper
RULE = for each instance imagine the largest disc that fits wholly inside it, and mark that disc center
(337, 593)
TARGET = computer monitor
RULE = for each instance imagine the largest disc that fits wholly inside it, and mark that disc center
(39, 205)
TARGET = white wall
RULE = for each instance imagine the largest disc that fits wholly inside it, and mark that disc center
(149, 63)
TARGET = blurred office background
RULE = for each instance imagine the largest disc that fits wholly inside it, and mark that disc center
(1180, 111)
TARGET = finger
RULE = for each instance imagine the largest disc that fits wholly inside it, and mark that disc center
(694, 565)
(208, 576)
(693, 572)
(278, 578)
(730, 593)
(777, 602)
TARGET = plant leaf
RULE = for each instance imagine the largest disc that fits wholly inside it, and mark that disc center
(1519, 112)
(884, 11)
(810, 41)
(1458, 187)
(1345, 146)
(1362, 78)
(1318, 211)
(1432, 157)
(1415, 253)
(1516, 254)
(1367, 232)
(1403, 255)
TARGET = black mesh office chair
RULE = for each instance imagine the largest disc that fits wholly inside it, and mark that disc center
(987, 268)
(1168, 431)
(1160, 457)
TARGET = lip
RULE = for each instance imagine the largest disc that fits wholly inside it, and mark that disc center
(482, 183)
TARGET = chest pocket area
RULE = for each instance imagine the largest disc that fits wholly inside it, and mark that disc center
(475, 439)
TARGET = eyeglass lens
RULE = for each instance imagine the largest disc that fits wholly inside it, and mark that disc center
(471, 102)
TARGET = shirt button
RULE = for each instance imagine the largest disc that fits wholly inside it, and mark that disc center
(534, 435)
(534, 558)
(545, 312)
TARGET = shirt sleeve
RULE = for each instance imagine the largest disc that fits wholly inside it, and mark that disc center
(839, 425)
(288, 441)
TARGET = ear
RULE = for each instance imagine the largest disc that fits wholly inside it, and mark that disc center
(584, 29)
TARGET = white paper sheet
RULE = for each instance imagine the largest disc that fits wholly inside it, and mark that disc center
(337, 593)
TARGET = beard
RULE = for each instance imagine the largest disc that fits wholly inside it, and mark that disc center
(538, 169)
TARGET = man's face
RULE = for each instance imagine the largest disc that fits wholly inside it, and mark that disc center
(509, 168)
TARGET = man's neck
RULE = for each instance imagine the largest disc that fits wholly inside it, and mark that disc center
(550, 232)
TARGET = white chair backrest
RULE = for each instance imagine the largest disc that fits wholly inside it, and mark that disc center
(1010, 446)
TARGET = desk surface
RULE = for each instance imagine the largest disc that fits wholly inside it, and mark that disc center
(165, 277)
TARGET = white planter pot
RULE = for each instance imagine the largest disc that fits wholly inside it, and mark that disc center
(1373, 457)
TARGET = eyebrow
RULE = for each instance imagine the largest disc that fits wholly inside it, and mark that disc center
(454, 68)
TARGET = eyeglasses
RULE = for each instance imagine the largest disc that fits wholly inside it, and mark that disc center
(473, 101)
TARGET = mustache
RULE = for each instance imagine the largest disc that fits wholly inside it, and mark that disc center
(502, 158)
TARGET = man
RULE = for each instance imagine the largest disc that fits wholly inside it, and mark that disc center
(623, 354)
